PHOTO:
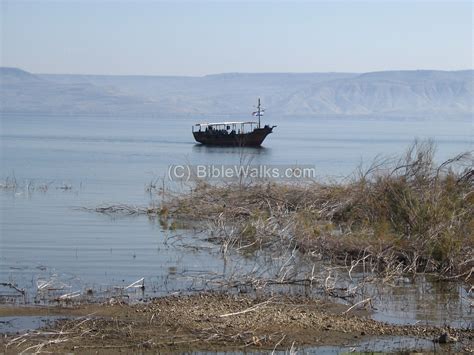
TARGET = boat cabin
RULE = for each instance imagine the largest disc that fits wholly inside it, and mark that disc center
(240, 127)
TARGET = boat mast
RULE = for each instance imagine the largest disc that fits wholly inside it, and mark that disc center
(258, 112)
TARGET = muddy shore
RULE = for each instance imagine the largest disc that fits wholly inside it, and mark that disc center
(211, 322)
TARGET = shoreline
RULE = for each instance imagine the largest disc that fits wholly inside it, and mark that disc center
(213, 322)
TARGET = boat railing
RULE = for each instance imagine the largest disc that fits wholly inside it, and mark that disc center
(236, 127)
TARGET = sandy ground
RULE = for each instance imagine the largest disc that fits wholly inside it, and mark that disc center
(207, 322)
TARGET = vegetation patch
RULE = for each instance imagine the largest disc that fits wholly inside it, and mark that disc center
(408, 215)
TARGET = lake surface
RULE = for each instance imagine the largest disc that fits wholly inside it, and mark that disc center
(46, 237)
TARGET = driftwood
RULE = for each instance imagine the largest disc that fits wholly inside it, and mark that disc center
(363, 302)
(251, 309)
(13, 286)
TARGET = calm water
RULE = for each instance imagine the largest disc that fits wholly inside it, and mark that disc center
(45, 237)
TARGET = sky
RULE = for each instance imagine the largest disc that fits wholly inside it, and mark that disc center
(196, 38)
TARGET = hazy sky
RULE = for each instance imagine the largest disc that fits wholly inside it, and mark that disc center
(202, 37)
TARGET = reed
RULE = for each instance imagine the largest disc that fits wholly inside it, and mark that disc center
(408, 215)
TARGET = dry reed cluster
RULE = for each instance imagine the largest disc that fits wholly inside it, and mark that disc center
(408, 215)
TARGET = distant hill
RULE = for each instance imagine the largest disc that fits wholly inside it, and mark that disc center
(22, 92)
(390, 93)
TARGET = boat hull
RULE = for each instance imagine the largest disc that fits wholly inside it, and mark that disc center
(251, 139)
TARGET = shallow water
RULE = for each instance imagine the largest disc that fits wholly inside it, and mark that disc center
(45, 237)
(392, 345)
(22, 324)
(382, 344)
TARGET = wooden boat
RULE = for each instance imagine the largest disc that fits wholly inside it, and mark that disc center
(238, 133)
